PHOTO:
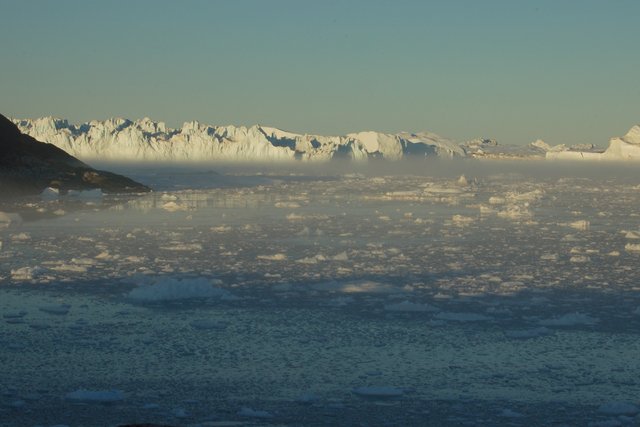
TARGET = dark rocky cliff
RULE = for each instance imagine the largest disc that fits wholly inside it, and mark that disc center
(28, 166)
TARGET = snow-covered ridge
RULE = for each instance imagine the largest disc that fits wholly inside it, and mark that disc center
(145, 139)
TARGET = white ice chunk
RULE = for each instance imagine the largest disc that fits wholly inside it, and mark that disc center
(580, 224)
(273, 257)
(632, 247)
(632, 235)
(173, 207)
(50, 193)
(9, 219)
(26, 273)
(362, 286)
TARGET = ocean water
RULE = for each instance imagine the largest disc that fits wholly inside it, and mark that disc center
(257, 296)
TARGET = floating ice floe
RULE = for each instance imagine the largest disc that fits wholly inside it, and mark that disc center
(50, 193)
(170, 289)
(580, 224)
(362, 286)
(632, 247)
(274, 257)
(174, 207)
(287, 205)
(26, 273)
(95, 396)
(21, 237)
(9, 219)
(632, 235)
(570, 319)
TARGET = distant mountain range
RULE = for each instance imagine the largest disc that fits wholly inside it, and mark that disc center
(146, 140)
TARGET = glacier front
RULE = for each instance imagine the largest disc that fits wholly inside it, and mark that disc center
(146, 140)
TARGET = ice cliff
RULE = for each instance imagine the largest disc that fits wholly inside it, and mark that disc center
(620, 148)
(142, 140)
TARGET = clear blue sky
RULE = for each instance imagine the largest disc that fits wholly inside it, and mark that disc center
(566, 71)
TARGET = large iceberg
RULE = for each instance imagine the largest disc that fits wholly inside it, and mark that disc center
(142, 140)
(620, 148)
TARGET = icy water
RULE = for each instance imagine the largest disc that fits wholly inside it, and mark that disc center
(330, 299)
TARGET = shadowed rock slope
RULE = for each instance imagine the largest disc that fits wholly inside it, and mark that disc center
(28, 166)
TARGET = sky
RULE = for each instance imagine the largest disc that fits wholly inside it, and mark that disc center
(565, 71)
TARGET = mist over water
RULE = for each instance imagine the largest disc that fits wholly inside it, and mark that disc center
(340, 293)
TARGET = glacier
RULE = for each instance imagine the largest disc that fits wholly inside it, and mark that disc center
(121, 139)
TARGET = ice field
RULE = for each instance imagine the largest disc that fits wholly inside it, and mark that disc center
(507, 296)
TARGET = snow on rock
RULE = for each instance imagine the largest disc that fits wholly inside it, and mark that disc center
(146, 140)
(171, 289)
(570, 319)
(95, 396)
